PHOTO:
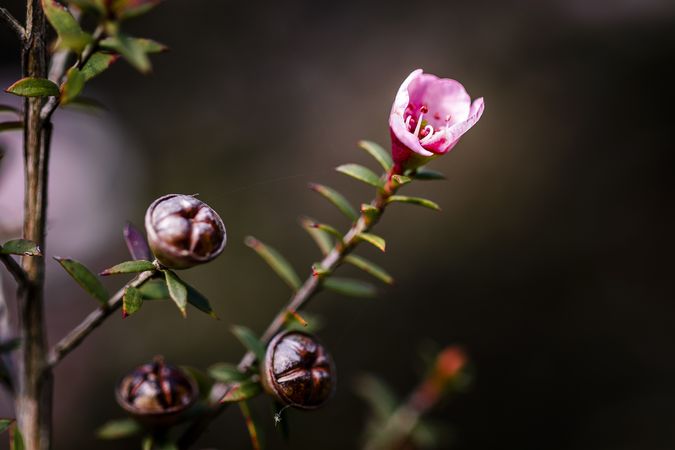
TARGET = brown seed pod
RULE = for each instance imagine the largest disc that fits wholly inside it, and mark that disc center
(298, 371)
(183, 231)
(156, 393)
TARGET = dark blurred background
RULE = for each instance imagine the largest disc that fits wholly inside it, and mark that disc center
(551, 263)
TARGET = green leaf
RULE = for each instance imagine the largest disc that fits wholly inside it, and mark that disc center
(361, 173)
(97, 64)
(249, 340)
(369, 267)
(151, 46)
(126, 9)
(226, 373)
(70, 34)
(20, 247)
(251, 426)
(277, 262)
(425, 174)
(147, 442)
(204, 381)
(135, 266)
(329, 230)
(373, 239)
(131, 302)
(196, 299)
(379, 396)
(352, 288)
(336, 199)
(85, 278)
(177, 291)
(381, 155)
(34, 87)
(241, 391)
(73, 85)
(414, 201)
(154, 290)
(369, 210)
(16, 440)
(97, 6)
(10, 126)
(131, 49)
(119, 429)
(400, 180)
(322, 239)
(5, 424)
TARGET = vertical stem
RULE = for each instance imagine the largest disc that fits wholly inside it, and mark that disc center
(33, 401)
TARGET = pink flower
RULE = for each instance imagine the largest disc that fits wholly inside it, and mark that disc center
(428, 117)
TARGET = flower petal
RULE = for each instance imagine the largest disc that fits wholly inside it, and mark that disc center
(445, 139)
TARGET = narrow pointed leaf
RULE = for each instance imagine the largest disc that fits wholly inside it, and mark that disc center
(10, 126)
(352, 288)
(249, 340)
(71, 35)
(370, 267)
(154, 290)
(414, 201)
(196, 299)
(241, 391)
(329, 230)
(136, 243)
(16, 440)
(5, 424)
(119, 429)
(147, 443)
(251, 426)
(379, 396)
(97, 64)
(73, 86)
(226, 373)
(277, 262)
(34, 87)
(131, 302)
(400, 180)
(20, 247)
(361, 173)
(322, 239)
(177, 291)
(336, 199)
(382, 156)
(135, 266)
(130, 49)
(373, 239)
(85, 278)
(151, 46)
(126, 9)
(427, 174)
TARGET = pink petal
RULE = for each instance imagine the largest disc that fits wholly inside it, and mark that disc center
(445, 139)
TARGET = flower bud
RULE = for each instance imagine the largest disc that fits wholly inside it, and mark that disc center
(183, 231)
(298, 371)
(156, 393)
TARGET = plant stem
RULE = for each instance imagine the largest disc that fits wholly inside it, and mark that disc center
(92, 321)
(13, 23)
(14, 268)
(299, 300)
(33, 400)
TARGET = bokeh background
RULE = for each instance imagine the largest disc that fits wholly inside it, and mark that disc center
(551, 263)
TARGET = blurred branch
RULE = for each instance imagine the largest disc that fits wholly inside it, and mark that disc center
(15, 270)
(6, 370)
(92, 321)
(13, 23)
(299, 300)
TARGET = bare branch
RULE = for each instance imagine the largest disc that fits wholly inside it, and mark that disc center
(13, 23)
(91, 322)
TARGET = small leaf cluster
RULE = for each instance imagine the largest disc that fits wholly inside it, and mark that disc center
(91, 52)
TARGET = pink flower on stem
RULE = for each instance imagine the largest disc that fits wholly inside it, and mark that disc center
(428, 117)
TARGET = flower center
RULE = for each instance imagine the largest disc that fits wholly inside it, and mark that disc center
(420, 127)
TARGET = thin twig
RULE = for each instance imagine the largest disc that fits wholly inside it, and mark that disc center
(92, 321)
(57, 70)
(13, 23)
(15, 270)
(299, 300)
